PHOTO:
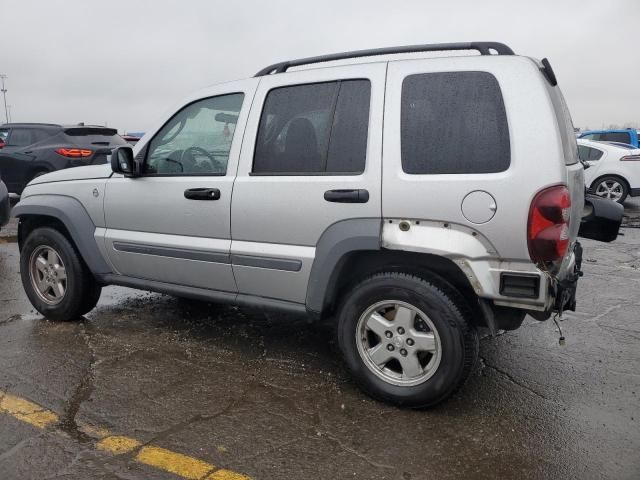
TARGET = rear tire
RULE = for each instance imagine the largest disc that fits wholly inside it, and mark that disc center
(54, 277)
(407, 340)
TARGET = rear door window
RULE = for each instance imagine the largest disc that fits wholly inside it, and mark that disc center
(453, 122)
(316, 128)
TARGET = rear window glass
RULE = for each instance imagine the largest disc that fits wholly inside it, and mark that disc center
(453, 122)
(94, 137)
(4, 133)
(622, 137)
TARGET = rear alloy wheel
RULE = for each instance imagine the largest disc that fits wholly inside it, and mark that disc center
(398, 343)
(613, 188)
(407, 340)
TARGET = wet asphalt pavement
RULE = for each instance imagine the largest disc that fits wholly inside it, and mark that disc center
(266, 395)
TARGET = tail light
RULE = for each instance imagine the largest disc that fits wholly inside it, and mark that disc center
(74, 152)
(630, 158)
(548, 225)
(1, 144)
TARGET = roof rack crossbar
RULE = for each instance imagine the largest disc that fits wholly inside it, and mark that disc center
(483, 47)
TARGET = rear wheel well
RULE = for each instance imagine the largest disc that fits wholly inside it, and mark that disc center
(358, 265)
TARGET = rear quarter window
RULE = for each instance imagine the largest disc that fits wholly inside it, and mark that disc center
(453, 122)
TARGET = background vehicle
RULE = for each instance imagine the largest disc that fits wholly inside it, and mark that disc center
(614, 169)
(131, 139)
(628, 135)
(5, 208)
(272, 192)
(32, 149)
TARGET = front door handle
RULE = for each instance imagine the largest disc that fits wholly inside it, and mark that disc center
(347, 196)
(202, 194)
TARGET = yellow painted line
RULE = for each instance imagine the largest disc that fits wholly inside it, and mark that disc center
(182, 465)
(186, 467)
(223, 474)
(26, 411)
(117, 444)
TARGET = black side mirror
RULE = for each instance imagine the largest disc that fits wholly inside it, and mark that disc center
(601, 220)
(122, 161)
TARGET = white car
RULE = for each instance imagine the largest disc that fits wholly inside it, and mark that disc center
(614, 169)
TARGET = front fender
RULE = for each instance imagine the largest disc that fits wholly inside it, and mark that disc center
(74, 217)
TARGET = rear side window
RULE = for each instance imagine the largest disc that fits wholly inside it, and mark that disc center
(20, 137)
(589, 154)
(314, 129)
(453, 122)
(622, 137)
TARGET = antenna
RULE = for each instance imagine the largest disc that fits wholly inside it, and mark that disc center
(4, 94)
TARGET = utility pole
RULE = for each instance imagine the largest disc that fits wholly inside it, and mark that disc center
(4, 94)
(9, 112)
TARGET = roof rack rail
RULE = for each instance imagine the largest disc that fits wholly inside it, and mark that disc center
(483, 47)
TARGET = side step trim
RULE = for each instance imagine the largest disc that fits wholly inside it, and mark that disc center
(203, 294)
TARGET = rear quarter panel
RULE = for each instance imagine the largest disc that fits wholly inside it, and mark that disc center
(537, 157)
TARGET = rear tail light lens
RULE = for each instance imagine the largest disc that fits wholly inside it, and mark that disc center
(630, 158)
(74, 152)
(548, 225)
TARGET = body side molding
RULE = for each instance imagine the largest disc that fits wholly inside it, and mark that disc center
(75, 218)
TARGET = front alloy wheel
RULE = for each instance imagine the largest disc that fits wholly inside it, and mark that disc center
(48, 274)
(54, 276)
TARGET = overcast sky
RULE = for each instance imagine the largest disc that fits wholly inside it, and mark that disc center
(126, 62)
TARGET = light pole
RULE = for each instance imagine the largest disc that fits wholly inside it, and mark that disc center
(4, 94)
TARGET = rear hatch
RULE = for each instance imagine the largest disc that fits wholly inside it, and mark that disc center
(574, 171)
(98, 140)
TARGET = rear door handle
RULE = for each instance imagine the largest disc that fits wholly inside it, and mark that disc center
(347, 196)
(202, 194)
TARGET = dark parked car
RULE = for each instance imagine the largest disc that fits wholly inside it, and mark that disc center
(4, 204)
(28, 150)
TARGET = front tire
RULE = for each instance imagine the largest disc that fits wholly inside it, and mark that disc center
(54, 277)
(407, 340)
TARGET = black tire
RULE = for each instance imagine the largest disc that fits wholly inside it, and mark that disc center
(82, 291)
(612, 178)
(448, 312)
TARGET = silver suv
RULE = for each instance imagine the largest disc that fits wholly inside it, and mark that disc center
(408, 200)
